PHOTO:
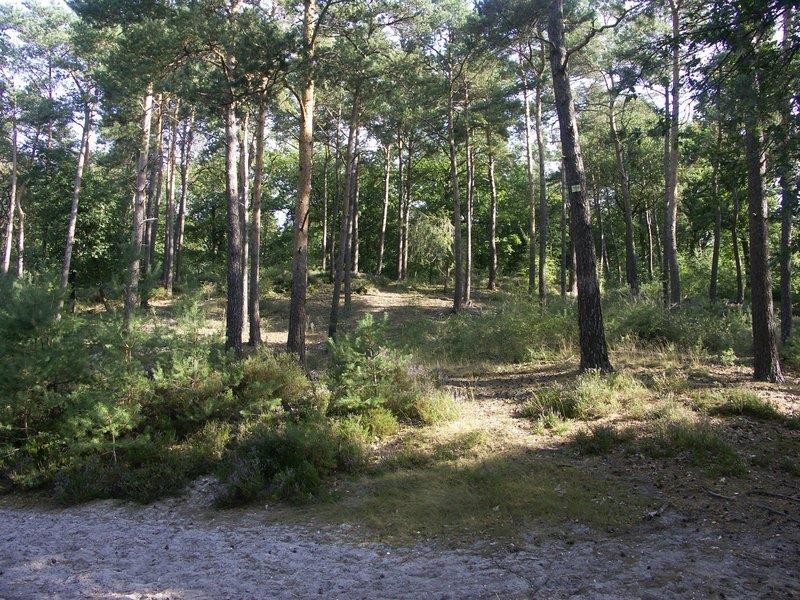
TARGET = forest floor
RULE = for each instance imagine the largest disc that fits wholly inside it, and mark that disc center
(486, 506)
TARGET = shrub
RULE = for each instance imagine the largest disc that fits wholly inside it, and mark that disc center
(435, 406)
(379, 422)
(291, 461)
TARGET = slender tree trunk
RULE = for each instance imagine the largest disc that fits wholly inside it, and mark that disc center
(180, 225)
(153, 200)
(451, 140)
(234, 316)
(254, 295)
(387, 172)
(325, 164)
(296, 341)
(337, 201)
(493, 218)
(603, 249)
(648, 226)
(83, 157)
(470, 205)
(670, 225)
(342, 259)
(594, 352)
(400, 207)
(531, 187)
(541, 155)
(12, 195)
(169, 220)
(630, 248)
(356, 242)
(244, 210)
(712, 286)
(132, 282)
(407, 209)
(20, 233)
(352, 246)
(737, 260)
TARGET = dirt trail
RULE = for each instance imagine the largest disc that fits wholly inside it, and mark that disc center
(180, 548)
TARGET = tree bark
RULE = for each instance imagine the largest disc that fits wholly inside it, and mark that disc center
(454, 186)
(342, 258)
(20, 232)
(325, 224)
(670, 223)
(712, 286)
(766, 366)
(400, 207)
(134, 264)
(387, 172)
(631, 275)
(352, 246)
(407, 209)
(296, 341)
(562, 271)
(788, 201)
(83, 156)
(541, 155)
(356, 241)
(254, 295)
(180, 225)
(531, 187)
(169, 219)
(470, 209)
(234, 316)
(153, 199)
(12, 195)
(244, 210)
(493, 218)
(594, 352)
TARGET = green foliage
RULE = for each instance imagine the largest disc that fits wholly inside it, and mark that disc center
(365, 375)
(290, 461)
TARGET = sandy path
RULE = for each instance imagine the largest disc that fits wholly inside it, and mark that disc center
(174, 549)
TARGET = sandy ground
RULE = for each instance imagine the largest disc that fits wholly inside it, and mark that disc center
(177, 549)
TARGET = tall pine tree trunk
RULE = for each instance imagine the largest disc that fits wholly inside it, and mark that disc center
(244, 210)
(407, 209)
(594, 352)
(454, 187)
(788, 200)
(712, 285)
(400, 209)
(342, 257)
(8, 241)
(83, 157)
(325, 223)
(671, 222)
(234, 316)
(387, 172)
(153, 200)
(180, 225)
(492, 219)
(169, 219)
(296, 341)
(631, 275)
(254, 291)
(541, 155)
(134, 264)
(531, 187)
(352, 241)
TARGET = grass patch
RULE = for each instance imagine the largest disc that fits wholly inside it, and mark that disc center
(700, 441)
(600, 439)
(500, 496)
